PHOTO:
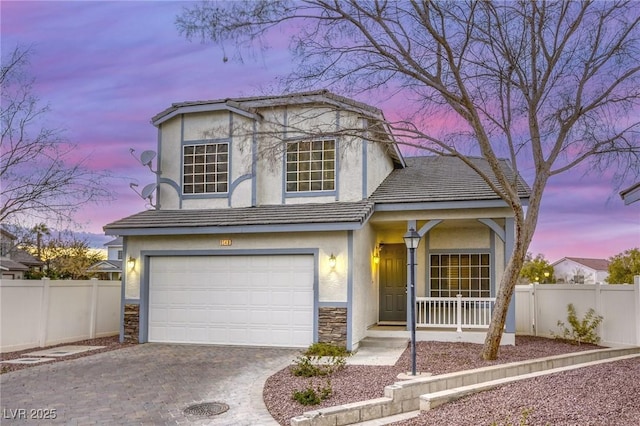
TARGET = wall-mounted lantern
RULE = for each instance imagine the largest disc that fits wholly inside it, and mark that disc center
(332, 261)
(131, 263)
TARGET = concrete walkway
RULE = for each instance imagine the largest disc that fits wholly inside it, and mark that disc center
(147, 384)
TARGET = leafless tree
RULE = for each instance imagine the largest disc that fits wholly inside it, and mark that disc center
(549, 85)
(41, 179)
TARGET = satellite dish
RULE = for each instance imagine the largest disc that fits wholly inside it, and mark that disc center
(147, 191)
(147, 157)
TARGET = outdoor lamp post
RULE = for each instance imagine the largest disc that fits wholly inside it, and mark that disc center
(412, 239)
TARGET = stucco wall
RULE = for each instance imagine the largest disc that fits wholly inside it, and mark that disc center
(332, 282)
(365, 283)
(170, 135)
(279, 125)
(379, 165)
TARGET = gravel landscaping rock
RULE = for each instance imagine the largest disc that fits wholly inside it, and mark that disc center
(358, 383)
(603, 395)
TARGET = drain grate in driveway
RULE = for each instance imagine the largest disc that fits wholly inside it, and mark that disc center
(206, 409)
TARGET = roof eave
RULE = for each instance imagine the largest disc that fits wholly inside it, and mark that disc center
(187, 108)
(441, 205)
(237, 229)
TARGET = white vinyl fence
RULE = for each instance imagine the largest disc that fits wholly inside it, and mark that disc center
(37, 313)
(540, 306)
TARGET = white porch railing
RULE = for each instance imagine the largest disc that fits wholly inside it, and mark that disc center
(460, 312)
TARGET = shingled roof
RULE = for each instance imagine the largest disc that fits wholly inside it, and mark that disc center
(255, 103)
(355, 214)
(425, 179)
(595, 264)
(440, 178)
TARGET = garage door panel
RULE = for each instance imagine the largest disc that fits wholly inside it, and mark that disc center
(238, 300)
(302, 299)
(259, 298)
(281, 318)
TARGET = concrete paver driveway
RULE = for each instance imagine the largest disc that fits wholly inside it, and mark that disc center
(145, 384)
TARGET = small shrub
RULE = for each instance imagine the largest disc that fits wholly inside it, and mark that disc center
(326, 349)
(312, 366)
(582, 331)
(311, 396)
(320, 359)
(305, 366)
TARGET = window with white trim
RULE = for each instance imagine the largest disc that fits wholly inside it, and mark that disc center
(466, 274)
(311, 166)
(205, 168)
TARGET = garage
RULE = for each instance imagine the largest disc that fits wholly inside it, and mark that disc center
(258, 300)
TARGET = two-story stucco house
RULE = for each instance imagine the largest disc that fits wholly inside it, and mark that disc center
(279, 221)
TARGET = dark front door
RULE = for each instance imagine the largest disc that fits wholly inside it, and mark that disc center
(393, 283)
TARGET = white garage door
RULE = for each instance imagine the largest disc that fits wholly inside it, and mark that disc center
(232, 300)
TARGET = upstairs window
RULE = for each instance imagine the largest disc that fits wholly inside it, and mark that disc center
(119, 254)
(311, 166)
(465, 274)
(206, 168)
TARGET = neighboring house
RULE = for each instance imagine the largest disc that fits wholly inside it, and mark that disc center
(110, 269)
(14, 262)
(578, 270)
(631, 194)
(279, 221)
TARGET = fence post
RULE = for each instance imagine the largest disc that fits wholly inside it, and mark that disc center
(636, 296)
(534, 310)
(598, 308)
(93, 309)
(459, 312)
(44, 312)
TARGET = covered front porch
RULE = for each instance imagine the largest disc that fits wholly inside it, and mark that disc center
(457, 268)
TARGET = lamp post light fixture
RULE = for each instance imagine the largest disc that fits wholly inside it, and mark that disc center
(546, 277)
(412, 239)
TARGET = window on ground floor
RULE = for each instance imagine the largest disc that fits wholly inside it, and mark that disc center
(460, 273)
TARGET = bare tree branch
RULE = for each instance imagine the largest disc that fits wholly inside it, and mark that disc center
(40, 178)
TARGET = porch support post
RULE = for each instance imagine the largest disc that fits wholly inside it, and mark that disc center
(509, 243)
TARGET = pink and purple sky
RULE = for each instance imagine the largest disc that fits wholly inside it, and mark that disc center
(105, 68)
